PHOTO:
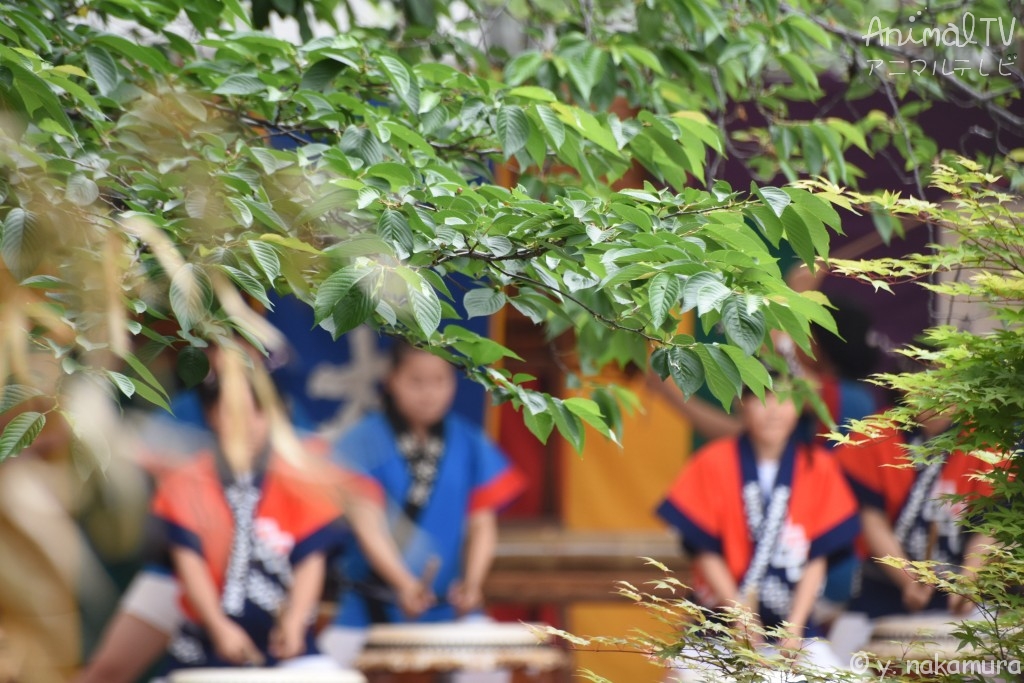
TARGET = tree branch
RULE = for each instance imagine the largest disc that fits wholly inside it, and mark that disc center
(614, 324)
(984, 100)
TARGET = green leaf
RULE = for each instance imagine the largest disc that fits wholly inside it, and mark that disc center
(191, 295)
(768, 223)
(241, 84)
(815, 228)
(799, 236)
(483, 302)
(539, 424)
(403, 79)
(272, 161)
(408, 136)
(523, 67)
(240, 211)
(362, 144)
(722, 375)
(634, 271)
(426, 308)
(645, 57)
(386, 312)
(638, 217)
(885, 224)
(699, 128)
(553, 125)
(686, 369)
(320, 74)
(267, 258)
(752, 371)
(34, 89)
(361, 245)
(808, 27)
(588, 411)
(744, 322)
(800, 71)
(814, 155)
(394, 227)
(849, 131)
(142, 54)
(568, 424)
(588, 126)
(775, 198)
(103, 69)
(20, 433)
(193, 366)
(22, 246)
(532, 92)
(398, 175)
(513, 129)
(147, 392)
(249, 285)
(15, 394)
(481, 350)
(122, 382)
(351, 312)
(145, 373)
(289, 242)
(587, 69)
(81, 190)
(332, 290)
(266, 215)
(663, 294)
(704, 291)
(818, 206)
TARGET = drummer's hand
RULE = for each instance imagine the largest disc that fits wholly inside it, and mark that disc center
(790, 647)
(960, 605)
(748, 627)
(465, 597)
(288, 639)
(916, 596)
(414, 598)
(233, 644)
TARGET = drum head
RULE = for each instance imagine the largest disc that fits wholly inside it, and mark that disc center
(915, 637)
(456, 634)
(458, 646)
(243, 675)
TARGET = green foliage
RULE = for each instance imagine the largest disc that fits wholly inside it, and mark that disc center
(144, 190)
(972, 375)
(719, 642)
(773, 57)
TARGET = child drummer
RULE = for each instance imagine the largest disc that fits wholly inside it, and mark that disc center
(762, 514)
(249, 533)
(906, 513)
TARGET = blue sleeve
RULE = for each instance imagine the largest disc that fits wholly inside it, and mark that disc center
(364, 448)
(856, 402)
(695, 539)
(181, 537)
(489, 461)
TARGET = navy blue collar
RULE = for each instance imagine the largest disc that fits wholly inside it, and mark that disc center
(787, 463)
(228, 477)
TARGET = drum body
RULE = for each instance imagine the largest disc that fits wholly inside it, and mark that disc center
(920, 646)
(418, 653)
(256, 675)
(915, 638)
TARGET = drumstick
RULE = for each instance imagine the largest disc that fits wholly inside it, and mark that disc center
(933, 539)
(430, 571)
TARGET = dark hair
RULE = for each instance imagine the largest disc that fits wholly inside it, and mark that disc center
(208, 391)
(850, 353)
(400, 350)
